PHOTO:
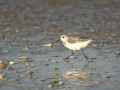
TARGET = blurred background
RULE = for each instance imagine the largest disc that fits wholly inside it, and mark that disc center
(26, 25)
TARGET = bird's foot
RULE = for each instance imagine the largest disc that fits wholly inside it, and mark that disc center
(66, 58)
(87, 58)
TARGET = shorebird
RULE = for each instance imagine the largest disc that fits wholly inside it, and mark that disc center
(74, 43)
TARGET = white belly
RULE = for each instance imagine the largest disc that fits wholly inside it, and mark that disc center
(77, 46)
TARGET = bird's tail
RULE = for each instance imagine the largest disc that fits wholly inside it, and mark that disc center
(87, 42)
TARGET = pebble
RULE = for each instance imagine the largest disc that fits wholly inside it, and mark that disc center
(29, 76)
(55, 75)
(117, 82)
(17, 30)
(25, 48)
(48, 45)
(98, 82)
(116, 55)
(45, 64)
(92, 30)
(60, 83)
(38, 89)
(89, 85)
(79, 78)
(61, 87)
(2, 65)
(106, 76)
(27, 64)
(54, 61)
(56, 68)
(73, 57)
(32, 66)
(22, 57)
(67, 60)
(107, 60)
(41, 80)
(68, 73)
(96, 48)
(12, 80)
(12, 62)
(26, 88)
(29, 72)
(50, 85)
(48, 60)
(93, 58)
(1, 61)
(5, 51)
(22, 76)
(9, 68)
(2, 76)
(94, 45)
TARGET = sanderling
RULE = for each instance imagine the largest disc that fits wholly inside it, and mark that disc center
(75, 43)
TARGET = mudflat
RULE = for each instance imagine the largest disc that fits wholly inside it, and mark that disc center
(30, 61)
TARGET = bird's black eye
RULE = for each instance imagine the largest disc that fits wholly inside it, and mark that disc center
(63, 37)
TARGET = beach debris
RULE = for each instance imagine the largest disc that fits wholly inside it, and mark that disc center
(48, 45)
(22, 57)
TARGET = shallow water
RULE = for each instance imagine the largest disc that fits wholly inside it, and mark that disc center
(25, 26)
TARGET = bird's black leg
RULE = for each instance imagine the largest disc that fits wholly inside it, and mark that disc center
(85, 55)
(70, 55)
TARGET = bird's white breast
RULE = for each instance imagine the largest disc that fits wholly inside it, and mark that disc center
(77, 46)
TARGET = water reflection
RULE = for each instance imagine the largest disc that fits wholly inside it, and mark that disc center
(75, 75)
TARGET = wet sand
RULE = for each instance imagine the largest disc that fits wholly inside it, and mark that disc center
(27, 25)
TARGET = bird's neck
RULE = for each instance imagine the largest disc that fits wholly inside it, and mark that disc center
(64, 43)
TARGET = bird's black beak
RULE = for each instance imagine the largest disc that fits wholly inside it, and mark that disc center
(57, 40)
